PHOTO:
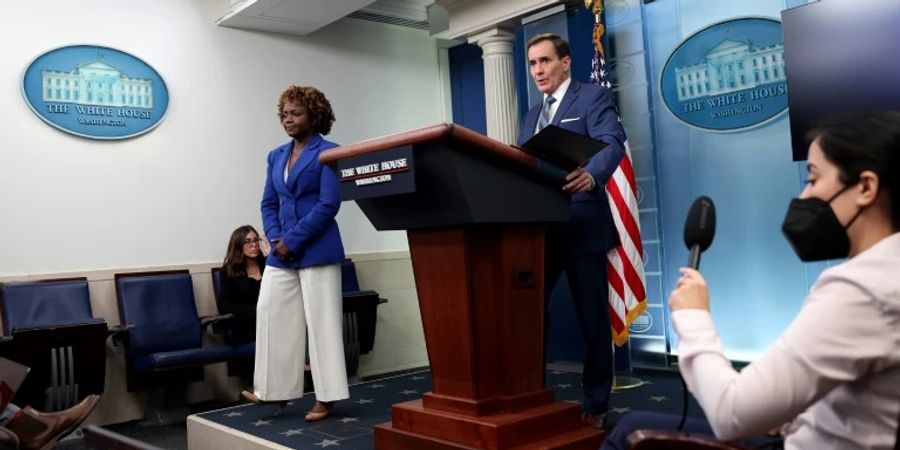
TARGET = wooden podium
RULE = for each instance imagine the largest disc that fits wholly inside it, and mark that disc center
(474, 209)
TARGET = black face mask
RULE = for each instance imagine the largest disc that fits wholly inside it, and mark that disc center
(814, 231)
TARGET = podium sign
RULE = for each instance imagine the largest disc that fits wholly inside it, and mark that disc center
(378, 174)
(476, 238)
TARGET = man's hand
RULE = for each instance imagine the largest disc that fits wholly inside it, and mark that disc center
(282, 252)
(579, 180)
(690, 292)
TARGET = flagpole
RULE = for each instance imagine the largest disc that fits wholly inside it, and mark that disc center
(620, 382)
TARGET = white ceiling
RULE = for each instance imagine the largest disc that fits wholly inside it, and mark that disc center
(301, 17)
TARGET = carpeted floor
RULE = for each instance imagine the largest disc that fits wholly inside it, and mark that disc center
(370, 402)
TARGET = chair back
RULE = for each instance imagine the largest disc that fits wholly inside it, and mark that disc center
(162, 309)
(669, 440)
(216, 274)
(45, 303)
(349, 281)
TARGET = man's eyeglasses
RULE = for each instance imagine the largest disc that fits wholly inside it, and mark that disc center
(252, 241)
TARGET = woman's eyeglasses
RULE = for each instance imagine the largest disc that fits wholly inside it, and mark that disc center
(252, 241)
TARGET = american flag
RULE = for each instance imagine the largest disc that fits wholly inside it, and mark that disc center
(625, 263)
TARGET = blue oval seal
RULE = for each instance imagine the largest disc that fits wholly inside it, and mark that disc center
(95, 92)
(728, 76)
(641, 323)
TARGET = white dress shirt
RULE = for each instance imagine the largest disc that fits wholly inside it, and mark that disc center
(558, 95)
(834, 374)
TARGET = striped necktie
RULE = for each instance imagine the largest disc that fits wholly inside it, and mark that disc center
(544, 118)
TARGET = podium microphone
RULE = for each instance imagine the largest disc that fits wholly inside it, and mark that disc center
(699, 228)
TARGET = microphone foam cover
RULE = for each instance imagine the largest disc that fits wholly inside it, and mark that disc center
(700, 225)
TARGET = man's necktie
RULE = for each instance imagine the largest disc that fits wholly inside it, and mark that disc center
(544, 118)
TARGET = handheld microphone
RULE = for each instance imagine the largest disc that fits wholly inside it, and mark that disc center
(699, 228)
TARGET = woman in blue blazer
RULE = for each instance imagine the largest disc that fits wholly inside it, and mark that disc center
(301, 286)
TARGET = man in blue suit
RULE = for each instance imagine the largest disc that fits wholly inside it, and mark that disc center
(578, 247)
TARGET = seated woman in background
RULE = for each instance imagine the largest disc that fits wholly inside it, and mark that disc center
(241, 274)
(833, 378)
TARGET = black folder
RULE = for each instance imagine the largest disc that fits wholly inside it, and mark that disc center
(563, 148)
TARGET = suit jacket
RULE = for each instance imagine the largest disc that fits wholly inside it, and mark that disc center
(587, 109)
(301, 210)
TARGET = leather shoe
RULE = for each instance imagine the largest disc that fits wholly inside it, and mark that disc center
(252, 398)
(593, 420)
(320, 411)
(40, 430)
(8, 439)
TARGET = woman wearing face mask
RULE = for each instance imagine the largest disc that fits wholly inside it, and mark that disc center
(833, 377)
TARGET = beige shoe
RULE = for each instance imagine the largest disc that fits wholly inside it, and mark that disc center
(320, 411)
(252, 398)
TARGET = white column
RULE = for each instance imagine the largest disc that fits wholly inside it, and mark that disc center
(501, 103)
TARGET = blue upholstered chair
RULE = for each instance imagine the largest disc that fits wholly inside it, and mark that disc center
(243, 353)
(360, 316)
(49, 327)
(165, 344)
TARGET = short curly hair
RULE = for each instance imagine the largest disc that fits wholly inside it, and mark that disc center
(315, 103)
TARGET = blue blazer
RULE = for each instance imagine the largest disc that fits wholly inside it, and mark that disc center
(301, 210)
(587, 109)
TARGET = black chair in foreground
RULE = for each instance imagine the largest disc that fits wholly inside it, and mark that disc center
(670, 440)
(49, 326)
(97, 438)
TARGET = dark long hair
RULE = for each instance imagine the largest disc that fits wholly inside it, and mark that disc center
(865, 141)
(235, 262)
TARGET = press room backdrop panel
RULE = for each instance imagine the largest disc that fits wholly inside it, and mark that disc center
(756, 282)
(173, 196)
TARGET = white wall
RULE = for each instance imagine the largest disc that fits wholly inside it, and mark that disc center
(172, 196)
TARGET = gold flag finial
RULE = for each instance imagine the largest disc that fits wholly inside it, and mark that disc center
(596, 6)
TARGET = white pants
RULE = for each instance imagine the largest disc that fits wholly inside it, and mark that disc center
(289, 302)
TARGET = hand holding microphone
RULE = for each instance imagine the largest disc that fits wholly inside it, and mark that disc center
(691, 291)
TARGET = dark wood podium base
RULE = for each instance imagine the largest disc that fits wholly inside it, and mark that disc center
(553, 426)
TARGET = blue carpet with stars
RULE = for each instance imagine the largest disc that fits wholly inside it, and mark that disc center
(370, 404)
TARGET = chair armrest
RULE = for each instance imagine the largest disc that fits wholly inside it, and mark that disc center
(655, 439)
(363, 294)
(212, 321)
(119, 333)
